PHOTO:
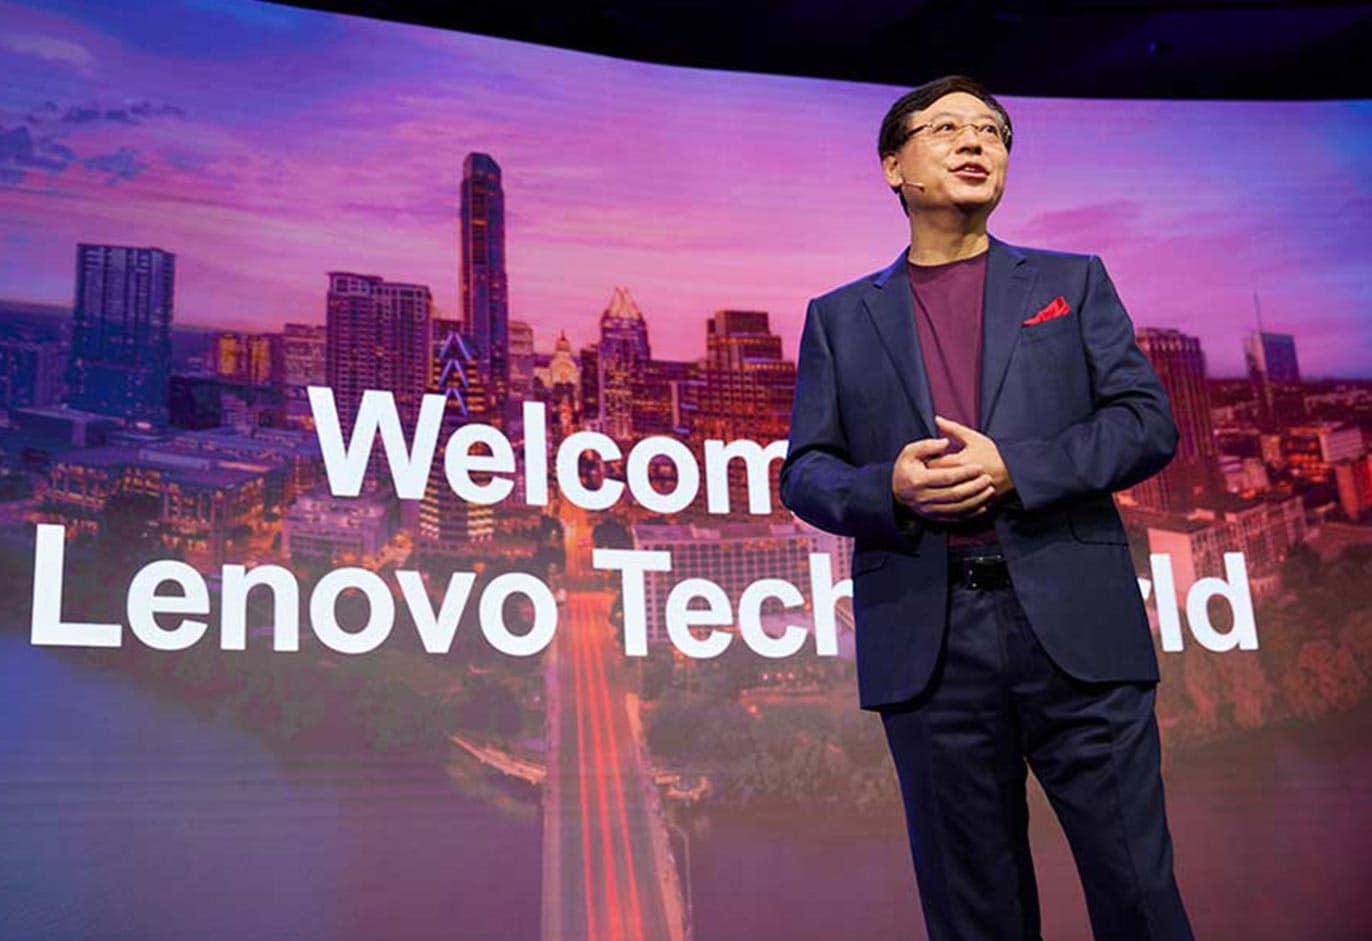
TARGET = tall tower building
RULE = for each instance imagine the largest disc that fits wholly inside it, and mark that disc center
(457, 375)
(30, 372)
(1273, 375)
(521, 358)
(744, 391)
(1273, 355)
(449, 525)
(1194, 473)
(121, 338)
(303, 356)
(376, 336)
(747, 385)
(624, 356)
(485, 289)
(589, 358)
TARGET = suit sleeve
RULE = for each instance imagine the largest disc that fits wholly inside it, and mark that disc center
(1130, 436)
(819, 482)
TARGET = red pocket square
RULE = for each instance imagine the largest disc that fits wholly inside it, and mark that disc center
(1056, 308)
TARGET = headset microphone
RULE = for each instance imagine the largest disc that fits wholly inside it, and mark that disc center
(920, 185)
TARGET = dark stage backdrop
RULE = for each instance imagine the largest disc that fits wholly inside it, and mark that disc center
(388, 520)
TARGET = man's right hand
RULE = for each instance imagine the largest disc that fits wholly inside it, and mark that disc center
(939, 493)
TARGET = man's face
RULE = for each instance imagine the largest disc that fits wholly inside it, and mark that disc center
(953, 156)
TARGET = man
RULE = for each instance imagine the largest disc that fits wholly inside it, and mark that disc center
(965, 414)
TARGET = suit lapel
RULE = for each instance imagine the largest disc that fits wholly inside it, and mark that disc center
(892, 311)
(1009, 280)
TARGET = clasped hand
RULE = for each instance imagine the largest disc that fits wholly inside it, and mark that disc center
(943, 486)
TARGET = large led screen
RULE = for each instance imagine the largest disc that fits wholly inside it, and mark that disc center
(390, 421)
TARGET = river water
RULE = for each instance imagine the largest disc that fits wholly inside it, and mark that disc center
(126, 815)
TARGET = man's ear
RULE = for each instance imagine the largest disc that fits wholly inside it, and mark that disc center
(890, 168)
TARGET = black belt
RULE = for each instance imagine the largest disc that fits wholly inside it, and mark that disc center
(977, 568)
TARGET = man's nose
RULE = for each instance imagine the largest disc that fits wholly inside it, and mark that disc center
(965, 143)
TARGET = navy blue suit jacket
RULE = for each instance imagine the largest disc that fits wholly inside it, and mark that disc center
(1077, 413)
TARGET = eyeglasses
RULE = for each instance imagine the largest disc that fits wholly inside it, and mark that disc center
(946, 131)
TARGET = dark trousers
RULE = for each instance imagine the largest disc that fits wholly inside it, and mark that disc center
(960, 747)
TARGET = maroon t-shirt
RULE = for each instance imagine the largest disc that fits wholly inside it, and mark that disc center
(948, 301)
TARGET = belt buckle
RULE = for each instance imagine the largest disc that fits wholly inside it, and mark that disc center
(983, 571)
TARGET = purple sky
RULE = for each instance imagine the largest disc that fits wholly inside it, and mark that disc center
(267, 145)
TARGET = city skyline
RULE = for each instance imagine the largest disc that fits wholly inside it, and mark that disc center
(660, 178)
(394, 237)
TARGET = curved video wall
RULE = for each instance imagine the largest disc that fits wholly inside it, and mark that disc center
(390, 421)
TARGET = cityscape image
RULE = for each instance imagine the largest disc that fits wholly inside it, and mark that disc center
(449, 378)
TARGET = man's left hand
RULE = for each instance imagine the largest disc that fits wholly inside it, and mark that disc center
(976, 449)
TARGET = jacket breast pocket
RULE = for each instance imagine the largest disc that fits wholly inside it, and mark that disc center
(1056, 327)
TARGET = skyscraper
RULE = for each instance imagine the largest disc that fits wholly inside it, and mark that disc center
(303, 356)
(624, 356)
(521, 360)
(448, 524)
(376, 336)
(1193, 474)
(485, 289)
(121, 338)
(1273, 355)
(745, 390)
(589, 358)
(30, 372)
(1273, 375)
(747, 384)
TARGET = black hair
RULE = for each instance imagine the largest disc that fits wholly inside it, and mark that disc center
(893, 132)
